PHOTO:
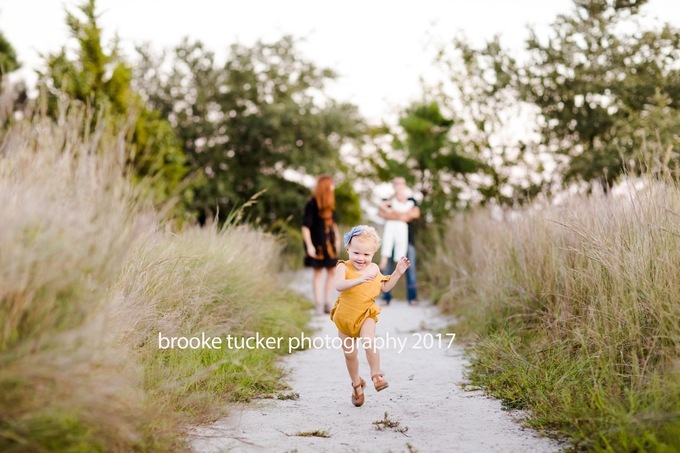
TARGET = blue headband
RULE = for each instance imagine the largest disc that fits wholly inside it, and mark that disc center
(355, 231)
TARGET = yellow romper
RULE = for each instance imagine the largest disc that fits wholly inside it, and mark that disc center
(356, 304)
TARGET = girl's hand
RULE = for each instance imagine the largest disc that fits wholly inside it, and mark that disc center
(367, 278)
(311, 251)
(403, 264)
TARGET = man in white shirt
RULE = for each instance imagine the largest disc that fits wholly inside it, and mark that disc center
(408, 216)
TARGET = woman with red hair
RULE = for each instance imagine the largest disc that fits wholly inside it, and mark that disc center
(321, 240)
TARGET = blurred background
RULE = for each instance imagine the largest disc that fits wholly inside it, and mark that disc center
(480, 103)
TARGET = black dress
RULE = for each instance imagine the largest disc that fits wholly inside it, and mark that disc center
(323, 237)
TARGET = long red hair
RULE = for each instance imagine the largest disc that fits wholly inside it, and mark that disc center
(324, 196)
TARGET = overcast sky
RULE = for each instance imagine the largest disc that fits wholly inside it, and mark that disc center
(379, 47)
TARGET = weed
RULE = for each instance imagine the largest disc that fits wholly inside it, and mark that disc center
(315, 433)
(411, 448)
(288, 396)
(386, 423)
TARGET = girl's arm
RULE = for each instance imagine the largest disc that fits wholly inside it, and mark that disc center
(341, 284)
(411, 214)
(401, 267)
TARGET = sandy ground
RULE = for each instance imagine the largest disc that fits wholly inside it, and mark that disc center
(424, 395)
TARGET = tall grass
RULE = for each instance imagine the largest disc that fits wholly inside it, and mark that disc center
(576, 309)
(89, 275)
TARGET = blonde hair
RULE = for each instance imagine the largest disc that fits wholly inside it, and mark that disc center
(368, 233)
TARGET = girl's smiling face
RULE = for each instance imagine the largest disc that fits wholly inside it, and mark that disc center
(361, 252)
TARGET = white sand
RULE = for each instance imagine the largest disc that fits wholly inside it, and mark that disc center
(424, 395)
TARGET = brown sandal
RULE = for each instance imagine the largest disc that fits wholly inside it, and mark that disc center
(379, 382)
(358, 400)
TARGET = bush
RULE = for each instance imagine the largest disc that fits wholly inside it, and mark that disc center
(575, 308)
(89, 276)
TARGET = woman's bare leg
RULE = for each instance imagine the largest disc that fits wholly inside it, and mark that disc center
(372, 354)
(330, 286)
(317, 281)
(350, 349)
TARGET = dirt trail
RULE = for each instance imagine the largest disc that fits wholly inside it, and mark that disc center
(424, 395)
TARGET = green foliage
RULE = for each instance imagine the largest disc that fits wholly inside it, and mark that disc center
(479, 91)
(347, 202)
(88, 280)
(606, 89)
(246, 124)
(292, 251)
(8, 57)
(429, 160)
(595, 81)
(102, 80)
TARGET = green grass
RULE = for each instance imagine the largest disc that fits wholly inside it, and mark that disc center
(288, 396)
(90, 274)
(574, 312)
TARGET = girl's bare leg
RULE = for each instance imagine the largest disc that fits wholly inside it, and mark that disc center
(372, 355)
(350, 349)
(317, 280)
(330, 286)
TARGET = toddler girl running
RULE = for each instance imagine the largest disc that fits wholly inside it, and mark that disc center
(355, 313)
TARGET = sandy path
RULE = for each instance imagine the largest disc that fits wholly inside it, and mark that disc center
(424, 395)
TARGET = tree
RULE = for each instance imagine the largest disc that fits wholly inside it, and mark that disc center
(429, 160)
(450, 145)
(594, 79)
(257, 123)
(9, 63)
(479, 91)
(102, 81)
(606, 91)
(8, 57)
